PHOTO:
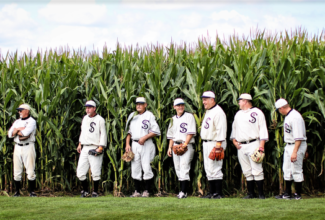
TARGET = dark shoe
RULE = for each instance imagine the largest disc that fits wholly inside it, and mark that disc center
(84, 194)
(297, 196)
(208, 196)
(283, 196)
(249, 196)
(261, 196)
(17, 194)
(217, 196)
(32, 194)
(94, 194)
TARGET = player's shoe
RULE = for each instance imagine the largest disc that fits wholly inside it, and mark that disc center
(297, 196)
(207, 196)
(261, 196)
(217, 196)
(145, 194)
(84, 194)
(32, 194)
(136, 194)
(249, 196)
(17, 194)
(182, 195)
(94, 194)
(283, 196)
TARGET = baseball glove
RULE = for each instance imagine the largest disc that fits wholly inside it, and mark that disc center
(212, 154)
(258, 155)
(94, 152)
(220, 153)
(128, 156)
(179, 149)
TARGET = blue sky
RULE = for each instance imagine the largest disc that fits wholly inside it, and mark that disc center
(34, 24)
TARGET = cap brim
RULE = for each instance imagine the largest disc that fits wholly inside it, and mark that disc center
(89, 106)
(19, 108)
(239, 98)
(140, 102)
(207, 97)
(180, 104)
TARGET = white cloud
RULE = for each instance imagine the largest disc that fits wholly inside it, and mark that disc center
(192, 20)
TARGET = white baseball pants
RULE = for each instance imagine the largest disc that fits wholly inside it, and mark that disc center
(212, 167)
(183, 163)
(251, 170)
(293, 170)
(24, 156)
(143, 155)
(87, 161)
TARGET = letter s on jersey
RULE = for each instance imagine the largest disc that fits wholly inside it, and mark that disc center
(183, 128)
(287, 128)
(253, 117)
(92, 129)
(206, 126)
(145, 124)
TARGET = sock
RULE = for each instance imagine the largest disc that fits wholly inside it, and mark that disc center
(184, 186)
(147, 184)
(84, 184)
(250, 187)
(31, 184)
(260, 186)
(298, 187)
(137, 184)
(17, 186)
(212, 186)
(288, 187)
(219, 187)
(96, 183)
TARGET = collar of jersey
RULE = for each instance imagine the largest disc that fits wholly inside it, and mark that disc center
(26, 118)
(93, 116)
(289, 112)
(143, 112)
(213, 106)
(181, 115)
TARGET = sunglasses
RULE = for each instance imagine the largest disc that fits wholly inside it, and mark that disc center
(21, 110)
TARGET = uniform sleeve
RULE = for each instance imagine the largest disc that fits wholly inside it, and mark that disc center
(192, 125)
(298, 129)
(81, 129)
(264, 134)
(220, 123)
(170, 131)
(11, 130)
(128, 124)
(233, 130)
(29, 128)
(103, 134)
(154, 127)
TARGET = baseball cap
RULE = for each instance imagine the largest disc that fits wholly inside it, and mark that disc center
(140, 100)
(208, 94)
(280, 103)
(245, 96)
(23, 106)
(90, 103)
(179, 101)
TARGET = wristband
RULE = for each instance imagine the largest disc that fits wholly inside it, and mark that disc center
(100, 147)
(185, 144)
(218, 145)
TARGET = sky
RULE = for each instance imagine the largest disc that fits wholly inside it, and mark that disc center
(90, 24)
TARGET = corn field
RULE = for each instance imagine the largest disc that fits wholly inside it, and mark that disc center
(57, 83)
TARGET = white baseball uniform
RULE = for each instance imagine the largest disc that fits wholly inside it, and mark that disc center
(93, 134)
(213, 129)
(24, 152)
(294, 129)
(140, 126)
(178, 129)
(248, 125)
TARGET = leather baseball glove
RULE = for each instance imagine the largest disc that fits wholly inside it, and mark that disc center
(179, 149)
(94, 152)
(220, 153)
(258, 155)
(128, 156)
(212, 154)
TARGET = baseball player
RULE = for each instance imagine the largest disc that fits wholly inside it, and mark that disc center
(23, 131)
(142, 128)
(182, 130)
(295, 148)
(249, 131)
(93, 136)
(213, 135)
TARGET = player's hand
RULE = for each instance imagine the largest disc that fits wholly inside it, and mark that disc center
(236, 143)
(79, 148)
(99, 150)
(293, 157)
(306, 156)
(169, 152)
(128, 148)
(218, 149)
(142, 140)
(261, 149)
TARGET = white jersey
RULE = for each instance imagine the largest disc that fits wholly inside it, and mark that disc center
(181, 126)
(142, 124)
(214, 124)
(93, 131)
(29, 124)
(294, 127)
(248, 125)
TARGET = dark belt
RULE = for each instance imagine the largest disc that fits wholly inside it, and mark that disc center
(290, 143)
(247, 142)
(23, 144)
(176, 142)
(135, 140)
(208, 141)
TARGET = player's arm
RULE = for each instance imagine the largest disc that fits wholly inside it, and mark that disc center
(233, 134)
(127, 144)
(263, 132)
(103, 136)
(170, 148)
(170, 136)
(146, 137)
(27, 131)
(221, 127)
(298, 127)
(295, 151)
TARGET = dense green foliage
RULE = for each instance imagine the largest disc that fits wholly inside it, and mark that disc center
(57, 84)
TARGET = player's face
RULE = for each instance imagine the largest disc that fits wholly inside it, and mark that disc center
(90, 111)
(179, 109)
(281, 110)
(242, 103)
(23, 113)
(208, 102)
(141, 107)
